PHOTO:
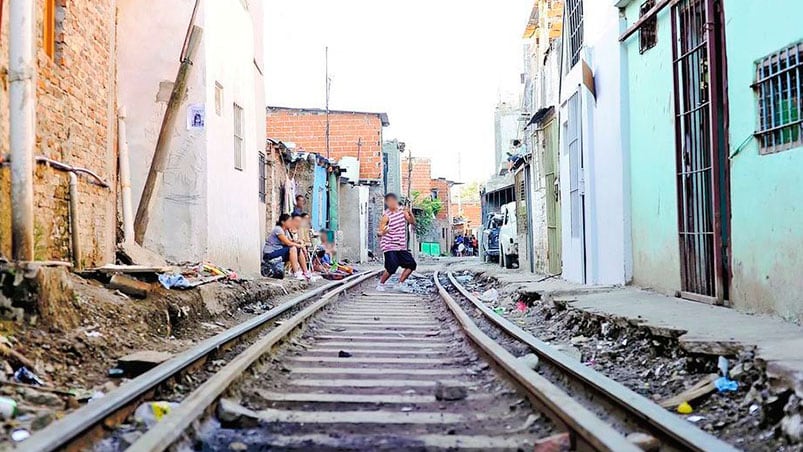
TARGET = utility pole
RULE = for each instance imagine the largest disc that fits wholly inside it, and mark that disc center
(410, 228)
(328, 87)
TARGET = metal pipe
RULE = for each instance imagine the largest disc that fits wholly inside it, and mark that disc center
(74, 235)
(125, 176)
(22, 125)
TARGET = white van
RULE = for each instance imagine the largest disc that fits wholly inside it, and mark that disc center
(508, 237)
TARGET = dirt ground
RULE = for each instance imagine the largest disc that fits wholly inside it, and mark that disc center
(653, 364)
(73, 346)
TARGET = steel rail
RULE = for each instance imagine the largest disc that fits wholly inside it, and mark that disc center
(671, 430)
(89, 422)
(587, 430)
(166, 432)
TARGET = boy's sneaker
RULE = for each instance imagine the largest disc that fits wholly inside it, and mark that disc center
(381, 287)
(404, 287)
(300, 276)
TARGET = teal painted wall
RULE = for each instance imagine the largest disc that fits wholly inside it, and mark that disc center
(766, 190)
(656, 261)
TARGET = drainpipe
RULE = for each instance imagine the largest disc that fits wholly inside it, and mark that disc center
(76, 242)
(125, 176)
(22, 122)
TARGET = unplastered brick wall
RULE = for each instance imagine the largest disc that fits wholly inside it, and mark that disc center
(75, 124)
(421, 175)
(351, 134)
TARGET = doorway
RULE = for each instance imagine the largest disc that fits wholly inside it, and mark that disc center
(552, 184)
(701, 149)
(574, 253)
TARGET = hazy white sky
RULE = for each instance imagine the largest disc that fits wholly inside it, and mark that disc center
(437, 67)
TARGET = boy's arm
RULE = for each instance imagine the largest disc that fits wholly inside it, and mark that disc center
(409, 216)
(383, 226)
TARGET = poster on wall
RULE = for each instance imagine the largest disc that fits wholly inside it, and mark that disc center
(196, 116)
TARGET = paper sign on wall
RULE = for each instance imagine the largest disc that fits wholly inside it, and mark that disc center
(196, 116)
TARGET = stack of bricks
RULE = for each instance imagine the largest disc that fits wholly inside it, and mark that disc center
(75, 124)
(351, 134)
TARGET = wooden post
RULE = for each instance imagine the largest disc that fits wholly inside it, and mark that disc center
(162, 151)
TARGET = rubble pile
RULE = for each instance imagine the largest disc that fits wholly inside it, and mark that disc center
(738, 405)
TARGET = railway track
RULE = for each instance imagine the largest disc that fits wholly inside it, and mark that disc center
(348, 368)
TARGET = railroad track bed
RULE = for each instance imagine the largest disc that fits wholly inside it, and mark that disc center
(367, 373)
(354, 369)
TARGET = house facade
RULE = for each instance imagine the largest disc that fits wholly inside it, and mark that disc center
(715, 138)
(207, 207)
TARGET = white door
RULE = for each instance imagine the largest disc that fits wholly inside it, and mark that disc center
(363, 196)
(574, 258)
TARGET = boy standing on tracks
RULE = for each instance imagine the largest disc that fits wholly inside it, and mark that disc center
(393, 241)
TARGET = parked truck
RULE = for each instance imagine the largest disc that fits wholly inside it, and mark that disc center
(508, 237)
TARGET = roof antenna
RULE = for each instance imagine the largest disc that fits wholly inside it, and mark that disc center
(328, 88)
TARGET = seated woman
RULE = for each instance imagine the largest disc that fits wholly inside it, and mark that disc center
(278, 244)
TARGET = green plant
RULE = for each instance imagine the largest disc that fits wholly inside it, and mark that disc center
(425, 209)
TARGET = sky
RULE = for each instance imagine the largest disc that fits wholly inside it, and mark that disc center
(437, 67)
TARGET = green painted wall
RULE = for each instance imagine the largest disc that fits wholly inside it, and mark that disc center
(334, 202)
(766, 190)
(656, 261)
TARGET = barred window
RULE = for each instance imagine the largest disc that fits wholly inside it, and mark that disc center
(648, 33)
(574, 20)
(779, 82)
(263, 177)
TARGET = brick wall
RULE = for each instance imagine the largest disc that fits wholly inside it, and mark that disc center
(75, 122)
(350, 135)
(471, 211)
(443, 195)
(421, 175)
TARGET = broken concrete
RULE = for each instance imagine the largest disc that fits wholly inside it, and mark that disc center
(142, 361)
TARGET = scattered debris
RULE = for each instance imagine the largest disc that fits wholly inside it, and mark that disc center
(644, 441)
(238, 446)
(8, 408)
(702, 388)
(174, 281)
(449, 392)
(25, 376)
(530, 360)
(116, 372)
(150, 413)
(20, 434)
(233, 415)
(490, 296)
(130, 286)
(685, 408)
(343, 354)
(140, 362)
(554, 443)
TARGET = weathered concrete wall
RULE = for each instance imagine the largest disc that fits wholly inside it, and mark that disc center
(506, 129)
(75, 124)
(348, 245)
(656, 260)
(148, 62)
(765, 189)
(392, 166)
(599, 250)
(351, 135)
(232, 33)
(206, 209)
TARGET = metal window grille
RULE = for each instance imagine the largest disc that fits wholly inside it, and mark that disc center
(648, 33)
(779, 85)
(263, 177)
(239, 136)
(574, 18)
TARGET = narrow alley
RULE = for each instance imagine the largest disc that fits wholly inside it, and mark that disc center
(530, 225)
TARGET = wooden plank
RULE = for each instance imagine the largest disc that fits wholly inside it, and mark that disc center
(351, 398)
(112, 268)
(365, 417)
(427, 441)
(369, 383)
(357, 360)
(374, 371)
